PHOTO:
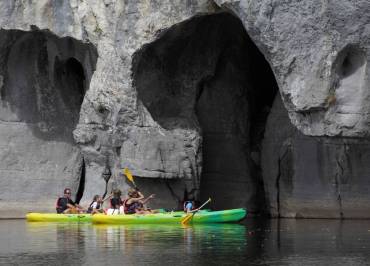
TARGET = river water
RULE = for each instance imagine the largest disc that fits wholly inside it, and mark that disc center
(255, 242)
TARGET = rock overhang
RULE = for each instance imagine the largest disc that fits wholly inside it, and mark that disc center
(307, 45)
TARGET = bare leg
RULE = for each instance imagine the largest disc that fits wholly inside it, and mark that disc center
(71, 211)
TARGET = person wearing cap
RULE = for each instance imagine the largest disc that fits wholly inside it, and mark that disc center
(66, 205)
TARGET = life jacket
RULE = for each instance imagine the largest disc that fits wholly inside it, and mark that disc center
(61, 204)
(131, 208)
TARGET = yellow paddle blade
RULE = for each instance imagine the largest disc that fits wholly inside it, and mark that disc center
(186, 219)
(128, 174)
(189, 216)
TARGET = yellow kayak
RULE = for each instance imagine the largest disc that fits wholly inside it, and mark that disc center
(55, 217)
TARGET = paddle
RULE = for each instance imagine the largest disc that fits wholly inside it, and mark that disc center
(190, 216)
(129, 176)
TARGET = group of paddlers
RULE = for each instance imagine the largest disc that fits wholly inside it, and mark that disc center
(134, 203)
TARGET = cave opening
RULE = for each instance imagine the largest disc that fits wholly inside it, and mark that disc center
(207, 74)
(75, 71)
(349, 60)
(44, 80)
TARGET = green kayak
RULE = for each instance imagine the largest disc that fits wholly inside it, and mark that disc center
(201, 217)
(54, 217)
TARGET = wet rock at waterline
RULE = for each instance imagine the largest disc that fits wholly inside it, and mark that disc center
(313, 177)
(180, 94)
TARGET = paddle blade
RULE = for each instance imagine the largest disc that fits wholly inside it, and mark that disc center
(189, 216)
(186, 219)
(128, 174)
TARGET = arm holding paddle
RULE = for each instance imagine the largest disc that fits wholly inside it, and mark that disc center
(191, 211)
(191, 214)
(109, 197)
(136, 197)
(75, 208)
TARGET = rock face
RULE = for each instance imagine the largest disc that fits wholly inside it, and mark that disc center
(319, 53)
(43, 85)
(179, 93)
(196, 80)
(316, 177)
(115, 130)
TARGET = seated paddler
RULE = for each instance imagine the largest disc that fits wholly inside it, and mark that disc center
(189, 206)
(135, 203)
(66, 205)
(116, 203)
(96, 205)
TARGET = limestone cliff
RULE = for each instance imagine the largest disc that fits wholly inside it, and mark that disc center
(184, 94)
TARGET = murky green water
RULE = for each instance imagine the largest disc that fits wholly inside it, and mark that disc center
(257, 242)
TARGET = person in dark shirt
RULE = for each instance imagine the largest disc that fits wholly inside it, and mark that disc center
(116, 201)
(66, 205)
(135, 202)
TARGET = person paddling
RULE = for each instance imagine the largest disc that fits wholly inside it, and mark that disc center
(135, 202)
(189, 206)
(66, 205)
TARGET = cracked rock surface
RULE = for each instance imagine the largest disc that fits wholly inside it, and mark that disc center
(179, 92)
(313, 177)
(319, 52)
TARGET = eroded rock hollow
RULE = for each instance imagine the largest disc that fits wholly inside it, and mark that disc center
(206, 75)
(43, 83)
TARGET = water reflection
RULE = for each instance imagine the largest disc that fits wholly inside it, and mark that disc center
(142, 244)
(168, 243)
(310, 241)
(257, 242)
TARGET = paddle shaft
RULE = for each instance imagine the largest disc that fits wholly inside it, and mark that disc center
(190, 216)
(204, 204)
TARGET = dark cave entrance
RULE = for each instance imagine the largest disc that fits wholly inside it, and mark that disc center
(206, 73)
(44, 80)
(75, 72)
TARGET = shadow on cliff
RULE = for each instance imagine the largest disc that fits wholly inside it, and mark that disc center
(44, 81)
(207, 73)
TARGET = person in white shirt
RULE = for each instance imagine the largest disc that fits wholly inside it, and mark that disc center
(96, 205)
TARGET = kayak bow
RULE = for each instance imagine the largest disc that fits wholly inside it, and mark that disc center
(55, 217)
